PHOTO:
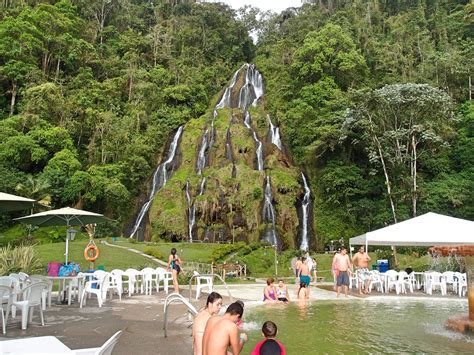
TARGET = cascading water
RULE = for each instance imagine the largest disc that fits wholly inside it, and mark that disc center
(275, 134)
(160, 177)
(268, 214)
(259, 149)
(226, 98)
(202, 186)
(305, 205)
(191, 213)
(252, 89)
(201, 160)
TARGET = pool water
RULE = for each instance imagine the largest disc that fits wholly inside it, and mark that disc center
(382, 325)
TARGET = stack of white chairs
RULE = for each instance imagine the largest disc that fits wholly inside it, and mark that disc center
(435, 280)
(110, 285)
(376, 280)
(94, 287)
(5, 299)
(391, 280)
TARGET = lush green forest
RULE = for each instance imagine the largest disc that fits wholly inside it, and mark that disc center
(373, 98)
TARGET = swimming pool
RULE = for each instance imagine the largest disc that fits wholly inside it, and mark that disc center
(373, 325)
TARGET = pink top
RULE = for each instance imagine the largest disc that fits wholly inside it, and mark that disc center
(256, 350)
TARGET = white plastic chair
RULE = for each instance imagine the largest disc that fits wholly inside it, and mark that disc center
(118, 279)
(405, 280)
(202, 282)
(133, 281)
(376, 280)
(5, 294)
(47, 293)
(105, 349)
(354, 280)
(110, 285)
(14, 284)
(450, 281)
(93, 287)
(434, 280)
(462, 285)
(163, 276)
(391, 280)
(33, 295)
(150, 276)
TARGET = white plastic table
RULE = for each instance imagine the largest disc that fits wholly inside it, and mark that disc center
(36, 345)
(63, 285)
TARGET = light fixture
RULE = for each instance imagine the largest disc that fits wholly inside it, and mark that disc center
(71, 234)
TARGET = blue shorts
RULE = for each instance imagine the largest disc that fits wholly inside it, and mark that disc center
(343, 278)
(305, 279)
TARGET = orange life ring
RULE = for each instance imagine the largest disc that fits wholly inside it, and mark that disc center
(91, 248)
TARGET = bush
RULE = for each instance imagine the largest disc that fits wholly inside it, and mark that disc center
(154, 252)
(21, 258)
(219, 253)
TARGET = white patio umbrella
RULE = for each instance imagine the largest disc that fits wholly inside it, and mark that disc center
(10, 202)
(63, 217)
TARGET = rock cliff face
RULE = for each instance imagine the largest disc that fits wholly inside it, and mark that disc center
(231, 179)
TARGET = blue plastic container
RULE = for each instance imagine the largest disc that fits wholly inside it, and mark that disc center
(382, 265)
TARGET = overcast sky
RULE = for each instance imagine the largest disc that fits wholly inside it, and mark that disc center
(274, 5)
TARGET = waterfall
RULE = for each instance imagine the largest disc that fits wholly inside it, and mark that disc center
(160, 177)
(201, 161)
(191, 212)
(228, 147)
(202, 186)
(226, 98)
(305, 217)
(250, 92)
(268, 214)
(275, 134)
(259, 149)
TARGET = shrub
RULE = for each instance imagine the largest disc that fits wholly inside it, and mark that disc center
(219, 253)
(21, 258)
(153, 252)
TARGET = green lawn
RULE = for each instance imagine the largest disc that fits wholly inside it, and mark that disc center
(110, 257)
(187, 252)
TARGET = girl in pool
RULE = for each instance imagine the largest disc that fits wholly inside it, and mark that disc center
(302, 292)
(269, 292)
(174, 262)
(282, 292)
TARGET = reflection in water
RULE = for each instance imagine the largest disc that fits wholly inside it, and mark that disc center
(365, 326)
(302, 309)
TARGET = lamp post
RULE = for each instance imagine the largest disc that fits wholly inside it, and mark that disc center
(70, 235)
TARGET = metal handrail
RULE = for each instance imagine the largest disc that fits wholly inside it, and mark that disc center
(176, 298)
(211, 275)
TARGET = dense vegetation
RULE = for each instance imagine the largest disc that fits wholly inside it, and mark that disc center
(373, 98)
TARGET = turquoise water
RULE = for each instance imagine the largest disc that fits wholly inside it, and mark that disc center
(362, 326)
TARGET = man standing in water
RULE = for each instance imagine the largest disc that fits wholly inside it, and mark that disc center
(304, 274)
(343, 267)
(361, 262)
(222, 332)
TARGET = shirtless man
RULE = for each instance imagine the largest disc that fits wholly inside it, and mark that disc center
(343, 267)
(222, 332)
(361, 262)
(304, 274)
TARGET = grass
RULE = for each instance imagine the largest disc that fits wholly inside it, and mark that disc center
(110, 257)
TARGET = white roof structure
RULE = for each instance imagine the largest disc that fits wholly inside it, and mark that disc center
(426, 230)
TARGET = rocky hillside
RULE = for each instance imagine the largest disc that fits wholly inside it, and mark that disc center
(227, 176)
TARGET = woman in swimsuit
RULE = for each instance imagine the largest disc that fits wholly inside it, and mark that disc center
(213, 306)
(269, 292)
(174, 262)
(282, 292)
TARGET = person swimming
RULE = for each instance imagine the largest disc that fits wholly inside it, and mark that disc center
(302, 291)
(269, 293)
